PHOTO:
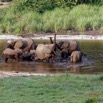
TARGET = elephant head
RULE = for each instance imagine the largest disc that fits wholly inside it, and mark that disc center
(12, 54)
(76, 56)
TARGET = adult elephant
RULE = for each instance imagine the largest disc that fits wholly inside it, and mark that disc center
(25, 44)
(66, 47)
(45, 51)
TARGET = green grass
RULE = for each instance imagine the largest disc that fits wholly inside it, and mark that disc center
(65, 88)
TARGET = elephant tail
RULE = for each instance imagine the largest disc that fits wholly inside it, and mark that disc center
(55, 38)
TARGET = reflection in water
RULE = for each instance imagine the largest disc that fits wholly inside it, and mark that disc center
(90, 64)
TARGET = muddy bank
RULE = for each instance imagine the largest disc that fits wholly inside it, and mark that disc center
(87, 35)
(4, 74)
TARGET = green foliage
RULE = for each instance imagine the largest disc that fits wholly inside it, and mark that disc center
(6, 0)
(90, 101)
(56, 20)
(32, 16)
(42, 5)
(90, 2)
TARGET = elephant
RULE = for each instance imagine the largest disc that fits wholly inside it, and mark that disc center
(70, 45)
(25, 44)
(66, 47)
(76, 56)
(45, 51)
(12, 54)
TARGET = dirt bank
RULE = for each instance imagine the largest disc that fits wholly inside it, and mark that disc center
(46, 37)
(4, 74)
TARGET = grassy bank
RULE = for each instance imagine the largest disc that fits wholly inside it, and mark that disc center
(19, 18)
(66, 88)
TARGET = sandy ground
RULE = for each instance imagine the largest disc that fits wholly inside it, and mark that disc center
(4, 74)
(4, 4)
(46, 37)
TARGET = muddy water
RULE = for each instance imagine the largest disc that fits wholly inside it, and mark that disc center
(92, 63)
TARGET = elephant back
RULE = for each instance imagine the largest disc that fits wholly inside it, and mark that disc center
(18, 44)
(73, 45)
(40, 51)
(65, 45)
(9, 51)
(43, 50)
(48, 48)
(75, 56)
(29, 44)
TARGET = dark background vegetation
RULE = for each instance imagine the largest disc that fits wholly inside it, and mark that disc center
(33, 16)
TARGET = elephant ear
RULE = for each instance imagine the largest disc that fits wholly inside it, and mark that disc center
(18, 44)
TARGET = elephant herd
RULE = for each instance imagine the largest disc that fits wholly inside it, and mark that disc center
(27, 49)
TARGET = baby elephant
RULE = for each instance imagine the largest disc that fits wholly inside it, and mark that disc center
(75, 56)
(12, 54)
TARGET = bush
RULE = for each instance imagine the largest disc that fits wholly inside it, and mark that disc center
(56, 20)
(42, 5)
(82, 17)
(6, 0)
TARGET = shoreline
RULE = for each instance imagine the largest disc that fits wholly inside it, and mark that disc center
(59, 37)
(4, 74)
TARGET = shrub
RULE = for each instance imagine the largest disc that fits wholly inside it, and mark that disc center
(56, 20)
(6, 0)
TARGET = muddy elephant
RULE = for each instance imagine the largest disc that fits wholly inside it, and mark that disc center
(76, 56)
(12, 54)
(45, 51)
(25, 44)
(66, 47)
(70, 45)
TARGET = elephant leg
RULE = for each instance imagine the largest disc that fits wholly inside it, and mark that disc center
(53, 58)
(47, 59)
(17, 57)
(61, 56)
(74, 59)
(71, 59)
(6, 59)
(64, 55)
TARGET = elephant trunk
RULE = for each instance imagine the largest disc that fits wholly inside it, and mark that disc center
(51, 41)
(54, 48)
(55, 39)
